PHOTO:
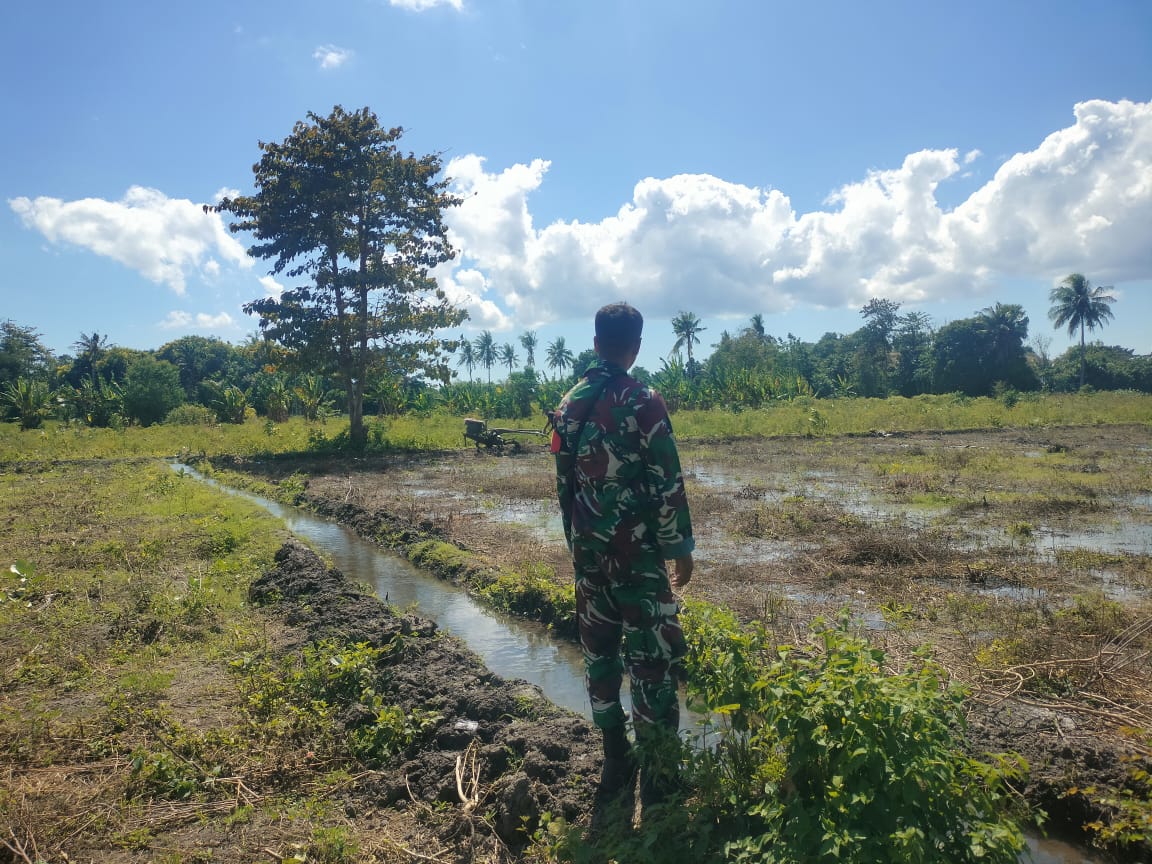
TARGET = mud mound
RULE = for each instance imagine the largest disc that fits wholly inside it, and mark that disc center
(531, 757)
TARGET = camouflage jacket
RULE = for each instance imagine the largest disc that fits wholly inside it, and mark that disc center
(620, 486)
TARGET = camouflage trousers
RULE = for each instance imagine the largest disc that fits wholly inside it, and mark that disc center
(627, 616)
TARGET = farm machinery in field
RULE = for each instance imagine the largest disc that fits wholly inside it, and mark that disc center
(496, 440)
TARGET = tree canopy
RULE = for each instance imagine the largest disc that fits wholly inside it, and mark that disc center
(338, 205)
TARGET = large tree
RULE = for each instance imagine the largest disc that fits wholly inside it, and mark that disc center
(1076, 303)
(340, 205)
(151, 390)
(23, 354)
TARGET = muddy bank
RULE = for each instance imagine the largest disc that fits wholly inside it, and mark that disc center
(531, 757)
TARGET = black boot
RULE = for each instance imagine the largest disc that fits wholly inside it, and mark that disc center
(660, 766)
(618, 776)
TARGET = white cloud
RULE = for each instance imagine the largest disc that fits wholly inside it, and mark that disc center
(331, 56)
(423, 5)
(161, 238)
(180, 320)
(272, 288)
(1081, 201)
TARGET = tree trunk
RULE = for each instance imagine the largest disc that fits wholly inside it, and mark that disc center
(1082, 354)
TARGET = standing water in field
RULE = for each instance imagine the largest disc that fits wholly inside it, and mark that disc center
(509, 647)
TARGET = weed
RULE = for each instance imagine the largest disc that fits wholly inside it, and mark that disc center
(831, 755)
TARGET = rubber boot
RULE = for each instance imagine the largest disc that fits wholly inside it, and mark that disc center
(618, 776)
(659, 766)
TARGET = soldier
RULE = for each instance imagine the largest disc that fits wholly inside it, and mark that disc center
(625, 513)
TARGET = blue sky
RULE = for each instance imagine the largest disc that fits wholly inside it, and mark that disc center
(725, 158)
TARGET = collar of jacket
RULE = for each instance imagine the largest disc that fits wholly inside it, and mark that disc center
(604, 367)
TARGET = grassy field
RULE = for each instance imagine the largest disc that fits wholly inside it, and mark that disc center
(149, 711)
(803, 417)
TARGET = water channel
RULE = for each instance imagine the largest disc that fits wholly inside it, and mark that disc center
(508, 646)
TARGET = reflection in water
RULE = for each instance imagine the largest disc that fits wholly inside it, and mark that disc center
(510, 647)
(1055, 852)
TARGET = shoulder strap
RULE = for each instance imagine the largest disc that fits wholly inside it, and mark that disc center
(580, 429)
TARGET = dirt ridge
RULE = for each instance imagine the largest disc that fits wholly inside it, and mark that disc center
(532, 756)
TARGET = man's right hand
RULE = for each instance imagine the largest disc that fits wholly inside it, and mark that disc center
(682, 571)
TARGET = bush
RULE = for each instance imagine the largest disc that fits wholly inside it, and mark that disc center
(190, 415)
(829, 755)
(151, 390)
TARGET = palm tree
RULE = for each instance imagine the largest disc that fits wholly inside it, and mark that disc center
(91, 344)
(485, 350)
(508, 356)
(560, 356)
(467, 356)
(528, 341)
(1076, 303)
(1006, 327)
(90, 347)
(686, 326)
(756, 325)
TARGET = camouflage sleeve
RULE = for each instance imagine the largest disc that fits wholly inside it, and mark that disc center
(565, 463)
(670, 516)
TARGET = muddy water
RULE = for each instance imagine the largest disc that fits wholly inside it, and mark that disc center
(508, 646)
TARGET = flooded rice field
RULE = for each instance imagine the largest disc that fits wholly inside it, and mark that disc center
(1019, 517)
(1022, 558)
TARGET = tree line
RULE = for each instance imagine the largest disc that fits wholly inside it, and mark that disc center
(200, 379)
(355, 225)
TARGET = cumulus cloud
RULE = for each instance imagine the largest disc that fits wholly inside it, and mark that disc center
(272, 288)
(331, 56)
(1082, 200)
(179, 320)
(423, 5)
(164, 239)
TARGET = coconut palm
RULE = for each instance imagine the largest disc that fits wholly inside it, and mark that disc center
(687, 328)
(756, 325)
(1076, 303)
(467, 356)
(528, 341)
(560, 356)
(508, 356)
(90, 348)
(485, 351)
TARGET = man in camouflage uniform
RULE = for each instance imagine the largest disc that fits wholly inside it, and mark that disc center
(625, 513)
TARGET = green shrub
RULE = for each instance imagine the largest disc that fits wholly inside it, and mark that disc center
(190, 415)
(830, 755)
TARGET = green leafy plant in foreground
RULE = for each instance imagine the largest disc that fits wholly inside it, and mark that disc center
(827, 754)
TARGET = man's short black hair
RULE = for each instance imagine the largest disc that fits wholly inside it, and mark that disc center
(618, 329)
